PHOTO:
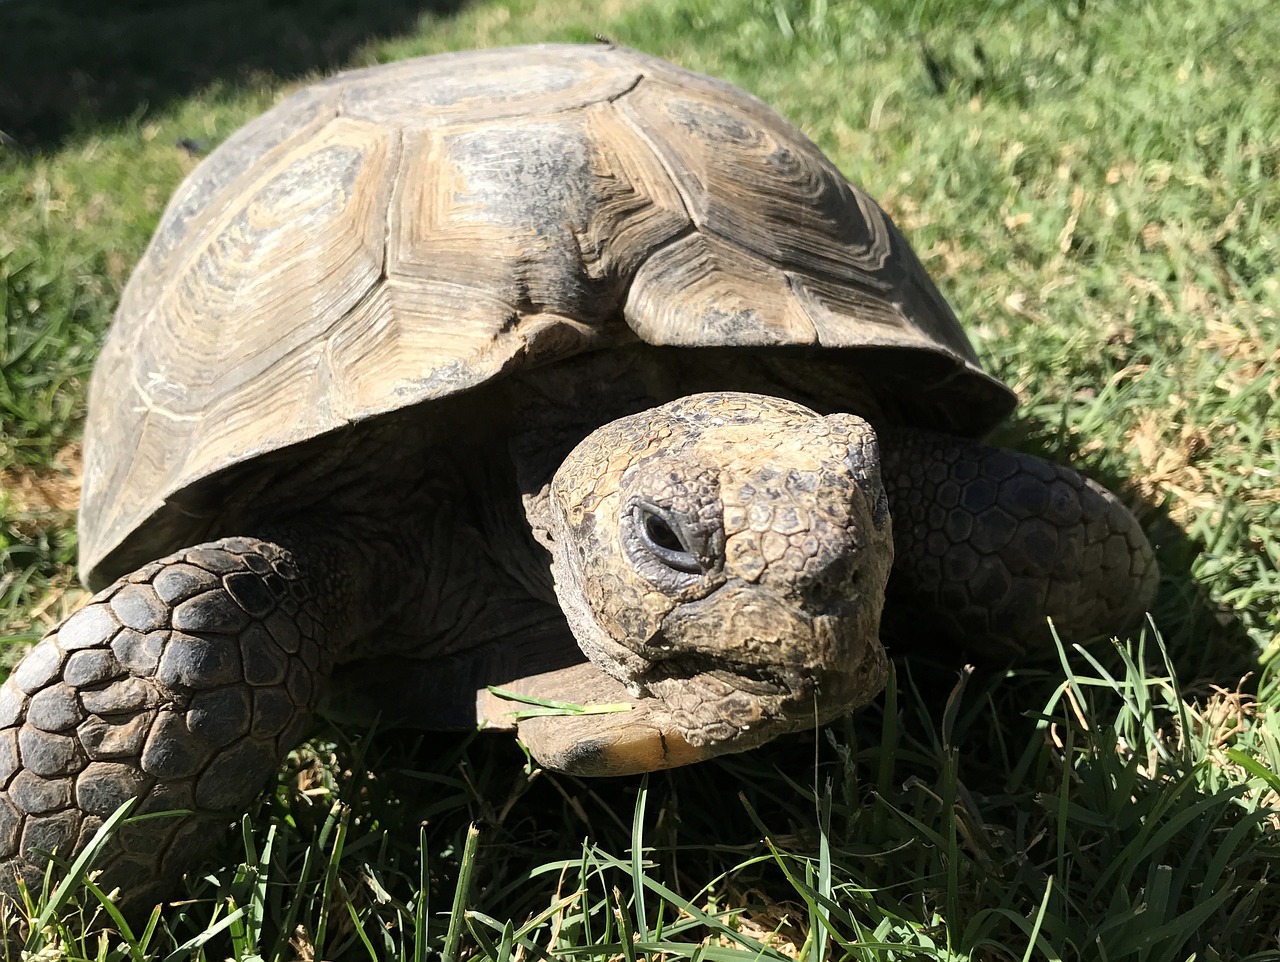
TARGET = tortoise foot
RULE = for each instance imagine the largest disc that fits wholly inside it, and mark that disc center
(991, 544)
(180, 686)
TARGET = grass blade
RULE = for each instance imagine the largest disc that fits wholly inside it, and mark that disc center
(461, 895)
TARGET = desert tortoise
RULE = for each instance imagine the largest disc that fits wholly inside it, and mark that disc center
(441, 365)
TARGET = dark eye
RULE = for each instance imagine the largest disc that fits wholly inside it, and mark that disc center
(660, 534)
(663, 542)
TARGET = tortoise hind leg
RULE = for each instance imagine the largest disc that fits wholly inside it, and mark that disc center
(989, 543)
(181, 685)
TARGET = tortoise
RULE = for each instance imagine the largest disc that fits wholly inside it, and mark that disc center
(559, 369)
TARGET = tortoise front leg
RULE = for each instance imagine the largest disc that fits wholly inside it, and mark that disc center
(181, 685)
(990, 543)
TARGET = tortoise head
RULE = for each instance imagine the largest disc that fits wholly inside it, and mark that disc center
(724, 557)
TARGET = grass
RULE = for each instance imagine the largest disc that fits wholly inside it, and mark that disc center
(1096, 187)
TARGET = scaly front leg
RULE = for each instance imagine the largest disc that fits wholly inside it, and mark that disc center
(181, 685)
(988, 544)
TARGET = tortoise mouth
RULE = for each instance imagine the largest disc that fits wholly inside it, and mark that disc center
(781, 654)
(693, 705)
(719, 704)
(749, 678)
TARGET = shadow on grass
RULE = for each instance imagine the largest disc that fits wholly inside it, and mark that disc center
(885, 803)
(73, 67)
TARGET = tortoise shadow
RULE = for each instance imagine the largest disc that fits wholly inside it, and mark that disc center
(72, 68)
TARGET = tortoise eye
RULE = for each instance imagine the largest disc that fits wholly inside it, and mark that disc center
(660, 534)
(660, 537)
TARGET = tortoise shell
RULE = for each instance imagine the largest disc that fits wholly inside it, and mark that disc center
(398, 234)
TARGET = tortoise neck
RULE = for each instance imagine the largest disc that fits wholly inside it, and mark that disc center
(355, 568)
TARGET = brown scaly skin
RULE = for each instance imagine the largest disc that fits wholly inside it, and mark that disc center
(181, 685)
(990, 543)
(765, 609)
(723, 557)
(987, 544)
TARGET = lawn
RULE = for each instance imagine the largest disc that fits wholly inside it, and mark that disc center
(1096, 187)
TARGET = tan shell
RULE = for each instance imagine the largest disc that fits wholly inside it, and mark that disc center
(405, 232)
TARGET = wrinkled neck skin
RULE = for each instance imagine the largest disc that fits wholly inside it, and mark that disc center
(725, 554)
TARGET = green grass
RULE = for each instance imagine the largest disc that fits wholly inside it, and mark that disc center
(1095, 185)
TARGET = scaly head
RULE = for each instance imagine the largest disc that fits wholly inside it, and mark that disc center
(725, 556)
